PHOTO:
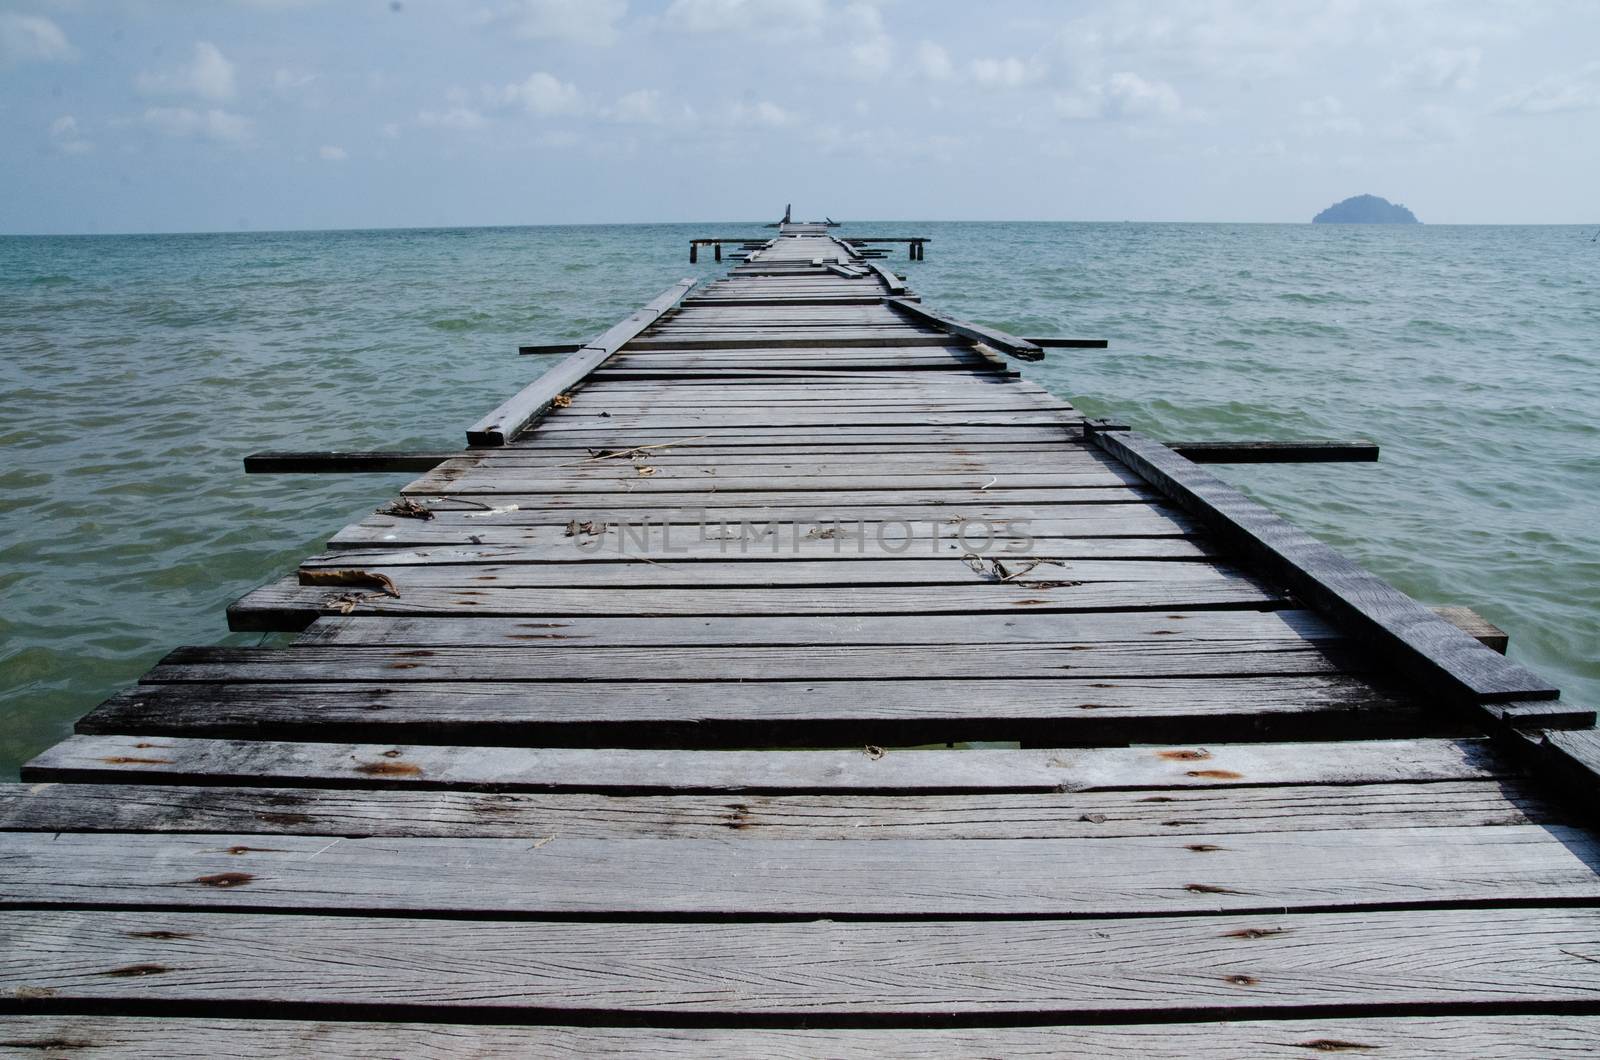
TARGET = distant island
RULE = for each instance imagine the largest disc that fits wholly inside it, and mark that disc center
(1365, 210)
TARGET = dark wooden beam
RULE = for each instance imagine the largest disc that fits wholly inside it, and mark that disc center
(1000, 340)
(530, 403)
(1305, 452)
(1070, 344)
(1417, 641)
(282, 462)
(553, 347)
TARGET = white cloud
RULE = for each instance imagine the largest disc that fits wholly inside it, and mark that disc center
(457, 117)
(1430, 124)
(1438, 70)
(871, 49)
(765, 18)
(641, 107)
(66, 137)
(286, 82)
(933, 61)
(872, 57)
(541, 93)
(1326, 114)
(390, 130)
(209, 75)
(580, 21)
(1579, 90)
(331, 153)
(1122, 95)
(211, 124)
(32, 39)
(763, 112)
(1009, 72)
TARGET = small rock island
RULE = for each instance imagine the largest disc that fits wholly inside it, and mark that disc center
(1366, 210)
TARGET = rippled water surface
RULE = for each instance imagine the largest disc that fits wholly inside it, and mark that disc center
(138, 370)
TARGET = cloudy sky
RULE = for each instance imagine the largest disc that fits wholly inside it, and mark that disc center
(170, 115)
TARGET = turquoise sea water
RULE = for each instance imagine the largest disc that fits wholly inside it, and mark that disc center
(137, 371)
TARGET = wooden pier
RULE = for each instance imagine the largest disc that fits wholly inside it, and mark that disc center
(782, 675)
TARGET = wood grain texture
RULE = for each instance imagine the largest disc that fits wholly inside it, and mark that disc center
(575, 874)
(1481, 1037)
(1051, 628)
(1229, 966)
(286, 605)
(508, 815)
(734, 713)
(1162, 768)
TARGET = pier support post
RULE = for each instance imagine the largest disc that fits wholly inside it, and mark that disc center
(694, 252)
(719, 250)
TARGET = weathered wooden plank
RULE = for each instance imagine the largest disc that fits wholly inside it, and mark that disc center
(553, 546)
(720, 532)
(1088, 487)
(760, 666)
(169, 759)
(1415, 961)
(709, 712)
(1257, 872)
(624, 437)
(1475, 626)
(757, 573)
(286, 605)
(1016, 347)
(1238, 626)
(1411, 635)
(515, 413)
(503, 815)
(1484, 1037)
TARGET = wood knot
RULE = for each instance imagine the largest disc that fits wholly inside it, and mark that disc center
(133, 971)
(1241, 980)
(1333, 1045)
(225, 879)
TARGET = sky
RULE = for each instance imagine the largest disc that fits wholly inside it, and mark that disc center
(220, 115)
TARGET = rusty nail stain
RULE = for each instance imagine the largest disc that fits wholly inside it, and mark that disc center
(1254, 933)
(1206, 888)
(131, 971)
(1214, 774)
(1333, 1045)
(1184, 756)
(394, 753)
(225, 879)
(129, 760)
(389, 769)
